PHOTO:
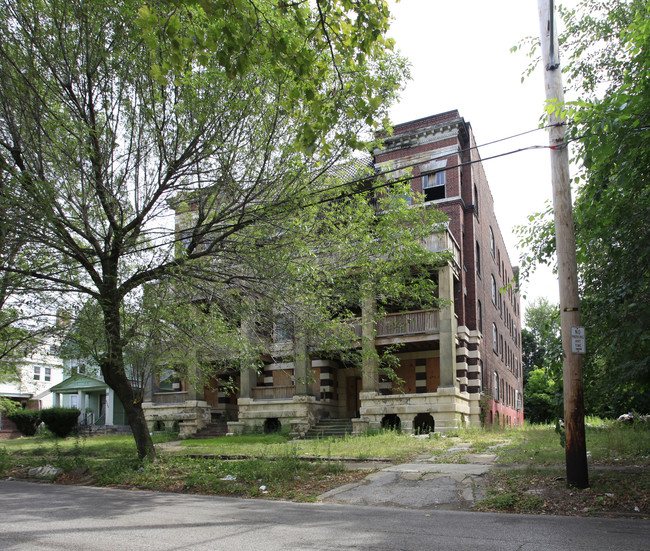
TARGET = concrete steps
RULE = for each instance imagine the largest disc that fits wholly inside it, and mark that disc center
(330, 427)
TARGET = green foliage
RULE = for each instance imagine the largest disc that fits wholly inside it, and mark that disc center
(484, 404)
(238, 112)
(542, 361)
(541, 340)
(8, 406)
(26, 421)
(607, 45)
(61, 421)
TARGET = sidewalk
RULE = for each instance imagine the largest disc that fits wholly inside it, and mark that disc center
(429, 483)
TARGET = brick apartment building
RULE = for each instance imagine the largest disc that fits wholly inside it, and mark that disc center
(448, 170)
(457, 365)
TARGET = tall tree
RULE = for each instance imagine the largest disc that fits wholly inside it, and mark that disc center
(607, 44)
(195, 142)
(542, 357)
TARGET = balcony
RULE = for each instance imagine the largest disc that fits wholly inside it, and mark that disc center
(170, 397)
(418, 322)
(285, 392)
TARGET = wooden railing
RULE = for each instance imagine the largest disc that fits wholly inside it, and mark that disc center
(417, 322)
(274, 392)
(170, 397)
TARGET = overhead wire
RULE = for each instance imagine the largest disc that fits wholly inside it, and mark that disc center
(364, 180)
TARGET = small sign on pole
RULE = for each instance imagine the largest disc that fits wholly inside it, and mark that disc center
(578, 340)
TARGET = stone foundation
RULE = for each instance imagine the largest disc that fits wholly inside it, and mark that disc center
(192, 415)
(450, 408)
(297, 414)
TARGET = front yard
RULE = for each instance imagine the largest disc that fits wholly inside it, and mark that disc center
(528, 477)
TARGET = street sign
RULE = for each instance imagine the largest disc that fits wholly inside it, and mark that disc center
(578, 340)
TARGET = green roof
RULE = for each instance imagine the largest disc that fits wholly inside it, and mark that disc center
(77, 383)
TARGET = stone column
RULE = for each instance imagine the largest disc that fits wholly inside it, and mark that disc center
(247, 379)
(447, 328)
(302, 365)
(195, 391)
(248, 371)
(369, 359)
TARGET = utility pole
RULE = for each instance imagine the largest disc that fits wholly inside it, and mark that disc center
(574, 410)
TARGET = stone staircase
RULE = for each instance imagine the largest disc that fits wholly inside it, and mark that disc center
(212, 430)
(330, 427)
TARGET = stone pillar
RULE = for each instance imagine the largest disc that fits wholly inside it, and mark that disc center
(302, 365)
(248, 371)
(369, 359)
(247, 379)
(195, 388)
(447, 328)
(151, 385)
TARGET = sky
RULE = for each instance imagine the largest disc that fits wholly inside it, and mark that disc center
(460, 59)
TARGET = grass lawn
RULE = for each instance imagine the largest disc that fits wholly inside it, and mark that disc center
(528, 477)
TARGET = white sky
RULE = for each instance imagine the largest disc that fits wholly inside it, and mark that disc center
(460, 59)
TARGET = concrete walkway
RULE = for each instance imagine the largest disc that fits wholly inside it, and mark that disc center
(428, 483)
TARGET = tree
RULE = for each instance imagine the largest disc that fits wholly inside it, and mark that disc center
(540, 398)
(22, 324)
(230, 114)
(607, 44)
(542, 357)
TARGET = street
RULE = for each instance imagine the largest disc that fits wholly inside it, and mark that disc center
(46, 516)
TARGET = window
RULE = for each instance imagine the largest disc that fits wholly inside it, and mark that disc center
(495, 339)
(492, 246)
(478, 258)
(37, 372)
(48, 374)
(479, 311)
(476, 200)
(496, 387)
(501, 345)
(433, 186)
(494, 290)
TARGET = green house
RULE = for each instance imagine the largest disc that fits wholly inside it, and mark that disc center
(94, 398)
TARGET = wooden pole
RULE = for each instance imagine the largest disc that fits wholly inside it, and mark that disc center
(574, 412)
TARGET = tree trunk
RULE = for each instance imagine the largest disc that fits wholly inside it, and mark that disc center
(115, 376)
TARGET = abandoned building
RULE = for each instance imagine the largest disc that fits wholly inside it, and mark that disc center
(460, 365)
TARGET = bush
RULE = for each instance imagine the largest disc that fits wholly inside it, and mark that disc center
(9, 406)
(61, 421)
(26, 421)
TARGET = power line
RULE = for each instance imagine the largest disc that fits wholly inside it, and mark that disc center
(364, 180)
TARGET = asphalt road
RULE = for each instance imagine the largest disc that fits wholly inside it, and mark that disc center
(44, 516)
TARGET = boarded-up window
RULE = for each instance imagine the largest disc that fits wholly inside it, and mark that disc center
(405, 372)
(282, 377)
(433, 374)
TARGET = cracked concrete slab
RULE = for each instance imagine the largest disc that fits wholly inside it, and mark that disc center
(420, 485)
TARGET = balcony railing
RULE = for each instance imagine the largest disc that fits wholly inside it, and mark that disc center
(419, 322)
(170, 397)
(274, 392)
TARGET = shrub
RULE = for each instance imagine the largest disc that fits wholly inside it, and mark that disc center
(8, 406)
(26, 421)
(61, 421)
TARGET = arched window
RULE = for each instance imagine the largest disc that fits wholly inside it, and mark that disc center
(492, 246)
